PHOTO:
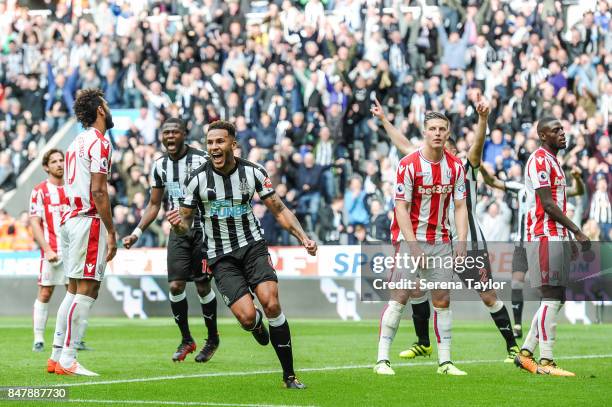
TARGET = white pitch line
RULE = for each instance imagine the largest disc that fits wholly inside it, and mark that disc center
(176, 403)
(307, 369)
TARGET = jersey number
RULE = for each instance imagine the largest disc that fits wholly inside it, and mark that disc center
(70, 166)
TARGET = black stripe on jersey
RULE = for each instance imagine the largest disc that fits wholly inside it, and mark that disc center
(258, 187)
(245, 216)
(468, 190)
(210, 182)
(231, 223)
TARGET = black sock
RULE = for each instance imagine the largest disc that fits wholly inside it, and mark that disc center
(209, 312)
(420, 317)
(517, 305)
(179, 310)
(502, 320)
(280, 336)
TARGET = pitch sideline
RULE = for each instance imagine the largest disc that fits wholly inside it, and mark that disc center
(311, 369)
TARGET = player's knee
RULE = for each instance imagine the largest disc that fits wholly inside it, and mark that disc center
(45, 294)
(272, 309)
(247, 319)
(489, 298)
(177, 287)
(443, 302)
(518, 277)
(203, 288)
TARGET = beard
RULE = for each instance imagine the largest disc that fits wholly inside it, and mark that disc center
(108, 121)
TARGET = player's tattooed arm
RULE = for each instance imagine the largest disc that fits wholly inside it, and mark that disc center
(148, 217)
(492, 180)
(289, 222)
(180, 219)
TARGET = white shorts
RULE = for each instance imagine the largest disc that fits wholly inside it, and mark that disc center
(84, 248)
(434, 270)
(51, 273)
(548, 262)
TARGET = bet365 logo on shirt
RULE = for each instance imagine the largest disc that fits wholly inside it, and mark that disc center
(435, 189)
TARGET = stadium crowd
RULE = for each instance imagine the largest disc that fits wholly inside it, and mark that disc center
(298, 79)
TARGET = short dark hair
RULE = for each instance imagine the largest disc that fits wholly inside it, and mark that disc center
(48, 154)
(545, 122)
(435, 115)
(86, 105)
(179, 122)
(223, 125)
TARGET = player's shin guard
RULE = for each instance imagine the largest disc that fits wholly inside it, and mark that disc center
(179, 306)
(531, 340)
(442, 327)
(547, 324)
(60, 326)
(388, 328)
(209, 312)
(420, 318)
(500, 316)
(40, 316)
(79, 312)
(280, 336)
(517, 301)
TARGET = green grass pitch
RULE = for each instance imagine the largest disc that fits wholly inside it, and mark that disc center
(333, 358)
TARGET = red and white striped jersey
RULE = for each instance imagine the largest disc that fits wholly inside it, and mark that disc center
(429, 187)
(89, 152)
(544, 171)
(48, 202)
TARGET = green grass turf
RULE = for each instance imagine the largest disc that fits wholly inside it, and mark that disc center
(142, 349)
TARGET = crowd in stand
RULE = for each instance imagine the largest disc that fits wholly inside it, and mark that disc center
(298, 79)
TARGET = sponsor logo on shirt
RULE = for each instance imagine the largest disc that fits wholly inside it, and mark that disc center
(435, 189)
(224, 208)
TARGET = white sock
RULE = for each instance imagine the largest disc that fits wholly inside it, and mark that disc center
(547, 324)
(531, 340)
(278, 321)
(495, 307)
(207, 298)
(442, 327)
(82, 330)
(79, 310)
(41, 314)
(388, 327)
(60, 326)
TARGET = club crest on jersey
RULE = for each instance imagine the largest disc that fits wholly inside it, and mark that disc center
(244, 185)
(402, 168)
(449, 173)
(267, 183)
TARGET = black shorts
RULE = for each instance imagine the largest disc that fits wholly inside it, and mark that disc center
(479, 270)
(185, 257)
(239, 272)
(519, 260)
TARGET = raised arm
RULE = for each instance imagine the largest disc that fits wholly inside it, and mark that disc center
(289, 222)
(577, 188)
(148, 217)
(400, 142)
(475, 152)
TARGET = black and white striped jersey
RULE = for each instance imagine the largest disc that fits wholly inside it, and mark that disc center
(171, 175)
(474, 235)
(519, 189)
(225, 206)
